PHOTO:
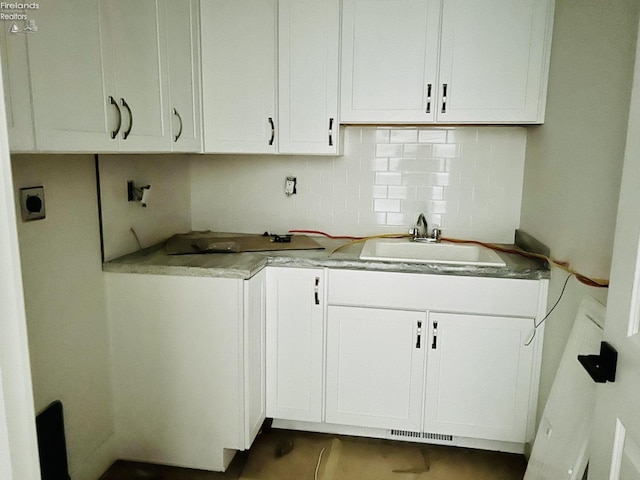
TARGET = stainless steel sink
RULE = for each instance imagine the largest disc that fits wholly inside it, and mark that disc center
(404, 250)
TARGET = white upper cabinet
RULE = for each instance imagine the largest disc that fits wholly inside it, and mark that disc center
(445, 61)
(136, 52)
(494, 59)
(182, 32)
(389, 60)
(100, 77)
(17, 98)
(308, 58)
(238, 39)
(68, 79)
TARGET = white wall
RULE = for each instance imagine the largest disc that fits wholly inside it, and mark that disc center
(18, 443)
(65, 306)
(168, 211)
(574, 161)
(467, 180)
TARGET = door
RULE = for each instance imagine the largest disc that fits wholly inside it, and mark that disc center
(375, 367)
(479, 40)
(308, 46)
(295, 330)
(139, 64)
(615, 439)
(70, 84)
(238, 39)
(183, 39)
(478, 376)
(389, 60)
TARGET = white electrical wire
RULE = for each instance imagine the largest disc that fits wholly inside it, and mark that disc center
(315, 476)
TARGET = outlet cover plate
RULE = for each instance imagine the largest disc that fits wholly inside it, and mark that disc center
(32, 203)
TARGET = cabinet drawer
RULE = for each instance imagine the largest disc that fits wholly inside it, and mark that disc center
(410, 291)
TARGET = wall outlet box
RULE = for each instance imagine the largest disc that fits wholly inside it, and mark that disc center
(290, 185)
(32, 203)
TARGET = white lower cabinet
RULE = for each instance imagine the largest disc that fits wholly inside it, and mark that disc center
(375, 367)
(479, 375)
(295, 330)
(187, 357)
(422, 357)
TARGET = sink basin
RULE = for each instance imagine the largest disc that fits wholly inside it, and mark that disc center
(404, 250)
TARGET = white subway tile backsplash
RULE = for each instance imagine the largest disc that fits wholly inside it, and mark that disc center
(389, 150)
(448, 150)
(388, 178)
(386, 205)
(404, 135)
(432, 136)
(382, 135)
(402, 193)
(467, 180)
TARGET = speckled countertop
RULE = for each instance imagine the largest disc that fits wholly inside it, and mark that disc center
(155, 261)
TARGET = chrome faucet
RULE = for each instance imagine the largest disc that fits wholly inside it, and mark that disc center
(418, 236)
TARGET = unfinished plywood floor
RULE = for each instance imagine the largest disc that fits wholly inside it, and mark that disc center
(286, 455)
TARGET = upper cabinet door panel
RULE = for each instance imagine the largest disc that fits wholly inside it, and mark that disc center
(494, 60)
(15, 78)
(139, 54)
(389, 60)
(68, 79)
(238, 41)
(184, 74)
(309, 32)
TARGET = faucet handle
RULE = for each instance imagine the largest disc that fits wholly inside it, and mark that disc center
(414, 231)
(436, 233)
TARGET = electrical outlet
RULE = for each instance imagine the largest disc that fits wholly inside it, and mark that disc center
(290, 186)
(32, 203)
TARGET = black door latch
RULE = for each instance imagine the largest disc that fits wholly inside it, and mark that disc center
(602, 368)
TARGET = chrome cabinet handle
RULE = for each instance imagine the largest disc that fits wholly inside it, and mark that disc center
(113, 102)
(126, 133)
(428, 98)
(316, 291)
(444, 98)
(273, 131)
(177, 135)
(331, 132)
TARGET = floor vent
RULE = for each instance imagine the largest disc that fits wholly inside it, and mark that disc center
(438, 436)
(422, 435)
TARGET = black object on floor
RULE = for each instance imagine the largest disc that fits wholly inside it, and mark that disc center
(52, 444)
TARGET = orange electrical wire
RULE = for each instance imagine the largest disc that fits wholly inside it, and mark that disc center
(592, 282)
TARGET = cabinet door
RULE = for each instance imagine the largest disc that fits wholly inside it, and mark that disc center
(375, 367)
(68, 79)
(139, 63)
(479, 375)
(294, 343)
(238, 39)
(17, 96)
(308, 44)
(494, 60)
(254, 356)
(183, 39)
(389, 60)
